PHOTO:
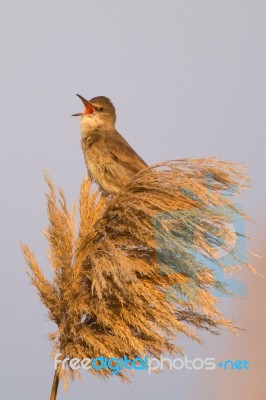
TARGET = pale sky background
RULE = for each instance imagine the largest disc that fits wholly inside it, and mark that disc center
(188, 80)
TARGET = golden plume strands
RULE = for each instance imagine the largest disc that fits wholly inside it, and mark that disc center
(129, 280)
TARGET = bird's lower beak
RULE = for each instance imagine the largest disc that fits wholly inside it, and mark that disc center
(88, 107)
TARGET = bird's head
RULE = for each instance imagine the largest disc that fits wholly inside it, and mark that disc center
(99, 113)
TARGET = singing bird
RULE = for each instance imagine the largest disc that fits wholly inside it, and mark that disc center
(110, 160)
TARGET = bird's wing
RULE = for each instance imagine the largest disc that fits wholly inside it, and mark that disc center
(123, 154)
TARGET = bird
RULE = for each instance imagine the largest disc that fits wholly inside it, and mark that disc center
(111, 162)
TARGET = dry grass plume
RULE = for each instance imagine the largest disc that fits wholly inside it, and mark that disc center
(128, 280)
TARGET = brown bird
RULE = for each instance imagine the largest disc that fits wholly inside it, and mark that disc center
(110, 160)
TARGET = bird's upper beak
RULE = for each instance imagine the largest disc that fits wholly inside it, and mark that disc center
(88, 107)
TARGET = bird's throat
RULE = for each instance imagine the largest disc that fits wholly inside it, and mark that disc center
(88, 125)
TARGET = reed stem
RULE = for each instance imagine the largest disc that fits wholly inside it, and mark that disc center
(55, 386)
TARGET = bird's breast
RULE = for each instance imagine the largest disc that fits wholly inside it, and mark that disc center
(92, 156)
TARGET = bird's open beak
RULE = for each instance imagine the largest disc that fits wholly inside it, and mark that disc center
(88, 107)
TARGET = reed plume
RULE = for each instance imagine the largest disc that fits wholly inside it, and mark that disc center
(129, 279)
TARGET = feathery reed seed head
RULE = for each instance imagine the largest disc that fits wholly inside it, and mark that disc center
(129, 281)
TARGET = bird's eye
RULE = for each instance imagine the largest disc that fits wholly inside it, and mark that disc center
(100, 109)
